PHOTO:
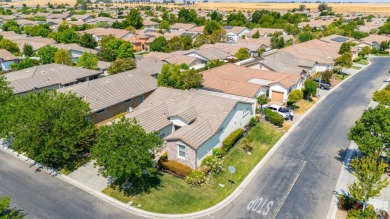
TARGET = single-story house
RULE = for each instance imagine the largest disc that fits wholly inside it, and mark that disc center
(115, 94)
(149, 65)
(49, 77)
(75, 50)
(265, 32)
(251, 83)
(192, 122)
(374, 41)
(6, 59)
(98, 33)
(233, 33)
(182, 26)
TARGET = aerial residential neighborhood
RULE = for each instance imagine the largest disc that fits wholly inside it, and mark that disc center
(124, 109)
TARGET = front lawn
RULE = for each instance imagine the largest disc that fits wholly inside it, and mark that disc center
(303, 105)
(362, 62)
(176, 196)
(356, 67)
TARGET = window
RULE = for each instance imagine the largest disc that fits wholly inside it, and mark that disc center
(101, 111)
(141, 98)
(128, 101)
(181, 151)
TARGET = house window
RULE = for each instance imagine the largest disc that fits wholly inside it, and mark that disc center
(181, 151)
(141, 98)
(101, 111)
(128, 101)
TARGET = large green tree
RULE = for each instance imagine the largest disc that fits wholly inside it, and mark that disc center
(372, 131)
(6, 212)
(160, 44)
(63, 56)
(123, 151)
(344, 61)
(173, 76)
(6, 95)
(27, 50)
(88, 41)
(46, 54)
(345, 47)
(310, 88)
(133, 19)
(121, 65)
(114, 48)
(50, 127)
(87, 60)
(369, 184)
(9, 45)
(242, 54)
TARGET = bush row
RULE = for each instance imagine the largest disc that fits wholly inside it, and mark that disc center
(176, 167)
(232, 139)
(273, 117)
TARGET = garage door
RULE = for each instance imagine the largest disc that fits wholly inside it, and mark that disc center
(277, 96)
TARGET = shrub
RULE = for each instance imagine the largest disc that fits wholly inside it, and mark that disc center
(247, 148)
(345, 202)
(295, 96)
(383, 52)
(382, 96)
(214, 163)
(357, 59)
(176, 167)
(369, 213)
(196, 177)
(276, 119)
(230, 140)
(218, 152)
(253, 122)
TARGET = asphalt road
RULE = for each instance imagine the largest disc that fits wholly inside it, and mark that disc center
(43, 196)
(299, 179)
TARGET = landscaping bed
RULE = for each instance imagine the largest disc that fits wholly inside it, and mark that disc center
(175, 196)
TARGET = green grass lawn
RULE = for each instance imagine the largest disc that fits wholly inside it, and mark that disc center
(341, 77)
(176, 196)
(356, 67)
(362, 62)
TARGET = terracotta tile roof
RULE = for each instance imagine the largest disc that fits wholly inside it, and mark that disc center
(6, 56)
(375, 38)
(243, 81)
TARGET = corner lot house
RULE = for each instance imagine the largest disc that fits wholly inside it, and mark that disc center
(6, 59)
(192, 122)
(246, 82)
(49, 77)
(115, 94)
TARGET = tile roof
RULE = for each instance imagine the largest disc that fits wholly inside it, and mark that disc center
(285, 62)
(6, 56)
(149, 65)
(375, 38)
(264, 31)
(234, 29)
(75, 47)
(207, 112)
(111, 90)
(42, 76)
(315, 50)
(235, 79)
(118, 33)
(183, 26)
(211, 53)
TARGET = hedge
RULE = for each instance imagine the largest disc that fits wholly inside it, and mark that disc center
(357, 59)
(230, 140)
(176, 167)
(276, 119)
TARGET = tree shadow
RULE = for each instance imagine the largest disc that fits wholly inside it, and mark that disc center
(142, 184)
(343, 153)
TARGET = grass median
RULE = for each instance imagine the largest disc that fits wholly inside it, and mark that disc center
(175, 196)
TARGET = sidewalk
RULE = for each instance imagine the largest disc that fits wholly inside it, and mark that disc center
(88, 175)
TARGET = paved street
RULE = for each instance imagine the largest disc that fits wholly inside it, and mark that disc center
(42, 196)
(298, 181)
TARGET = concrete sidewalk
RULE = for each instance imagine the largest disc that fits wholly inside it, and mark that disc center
(88, 175)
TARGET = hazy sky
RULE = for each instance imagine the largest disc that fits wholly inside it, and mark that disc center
(312, 1)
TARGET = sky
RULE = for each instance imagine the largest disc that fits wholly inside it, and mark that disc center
(312, 1)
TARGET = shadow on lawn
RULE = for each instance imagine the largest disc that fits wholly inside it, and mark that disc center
(141, 185)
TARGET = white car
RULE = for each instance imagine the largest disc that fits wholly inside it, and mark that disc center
(283, 111)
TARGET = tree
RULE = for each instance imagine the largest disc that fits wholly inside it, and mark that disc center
(242, 54)
(372, 131)
(6, 212)
(384, 29)
(366, 51)
(214, 63)
(63, 56)
(164, 25)
(82, 4)
(310, 88)
(46, 54)
(47, 133)
(368, 172)
(24, 63)
(88, 41)
(9, 45)
(262, 100)
(173, 76)
(87, 60)
(160, 44)
(123, 151)
(180, 43)
(345, 47)
(133, 19)
(121, 65)
(344, 61)
(384, 45)
(6, 95)
(295, 96)
(211, 26)
(187, 15)
(324, 7)
(302, 7)
(113, 48)
(216, 16)
(256, 35)
(305, 36)
(27, 50)
(67, 36)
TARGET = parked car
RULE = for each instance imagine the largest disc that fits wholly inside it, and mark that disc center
(283, 111)
(322, 84)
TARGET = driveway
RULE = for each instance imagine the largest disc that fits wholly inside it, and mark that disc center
(299, 179)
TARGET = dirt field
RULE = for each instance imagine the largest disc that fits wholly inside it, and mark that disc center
(374, 8)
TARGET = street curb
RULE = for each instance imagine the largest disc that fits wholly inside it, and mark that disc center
(333, 204)
(202, 213)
